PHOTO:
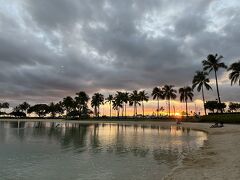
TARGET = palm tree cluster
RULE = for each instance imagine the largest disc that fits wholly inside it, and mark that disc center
(121, 99)
(78, 106)
(213, 63)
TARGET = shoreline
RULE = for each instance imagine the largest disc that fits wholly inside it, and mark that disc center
(217, 159)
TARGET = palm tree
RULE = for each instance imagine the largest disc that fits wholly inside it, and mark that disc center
(185, 94)
(168, 94)
(134, 101)
(201, 80)
(81, 101)
(234, 76)
(118, 102)
(213, 62)
(122, 98)
(125, 99)
(68, 104)
(97, 100)
(109, 99)
(157, 93)
(143, 97)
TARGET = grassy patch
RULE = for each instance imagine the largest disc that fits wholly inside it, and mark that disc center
(225, 118)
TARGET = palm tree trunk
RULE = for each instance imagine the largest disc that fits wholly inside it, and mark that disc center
(169, 107)
(204, 102)
(136, 109)
(122, 111)
(158, 109)
(143, 108)
(219, 100)
(125, 110)
(133, 110)
(110, 109)
(186, 109)
(98, 110)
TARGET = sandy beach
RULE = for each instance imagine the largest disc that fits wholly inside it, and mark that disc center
(217, 159)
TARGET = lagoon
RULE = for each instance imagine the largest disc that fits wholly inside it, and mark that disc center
(50, 150)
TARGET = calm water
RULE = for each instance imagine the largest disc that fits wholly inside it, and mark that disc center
(100, 151)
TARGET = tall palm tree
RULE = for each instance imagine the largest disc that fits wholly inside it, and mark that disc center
(81, 101)
(143, 97)
(118, 102)
(109, 99)
(157, 93)
(185, 94)
(234, 76)
(125, 99)
(119, 97)
(213, 62)
(97, 100)
(168, 94)
(201, 80)
(134, 101)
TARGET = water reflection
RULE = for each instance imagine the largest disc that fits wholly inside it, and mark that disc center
(135, 139)
(148, 147)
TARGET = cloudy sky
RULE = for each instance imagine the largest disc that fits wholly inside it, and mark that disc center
(53, 48)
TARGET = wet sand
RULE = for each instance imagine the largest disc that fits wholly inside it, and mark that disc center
(218, 159)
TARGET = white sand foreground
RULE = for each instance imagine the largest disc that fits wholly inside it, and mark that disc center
(218, 159)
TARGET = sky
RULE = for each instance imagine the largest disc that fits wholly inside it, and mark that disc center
(53, 48)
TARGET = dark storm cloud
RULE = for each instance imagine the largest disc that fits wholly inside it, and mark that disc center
(50, 49)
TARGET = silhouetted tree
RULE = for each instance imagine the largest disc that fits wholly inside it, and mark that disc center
(40, 109)
(186, 94)
(4, 105)
(125, 99)
(97, 100)
(134, 100)
(157, 93)
(81, 102)
(117, 103)
(214, 105)
(168, 94)
(55, 109)
(24, 107)
(213, 62)
(109, 100)
(18, 114)
(234, 75)
(143, 97)
(68, 104)
(233, 106)
(20, 110)
(201, 80)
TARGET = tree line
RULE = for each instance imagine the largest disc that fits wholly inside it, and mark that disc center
(77, 107)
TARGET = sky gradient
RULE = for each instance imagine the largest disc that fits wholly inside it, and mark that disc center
(53, 48)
